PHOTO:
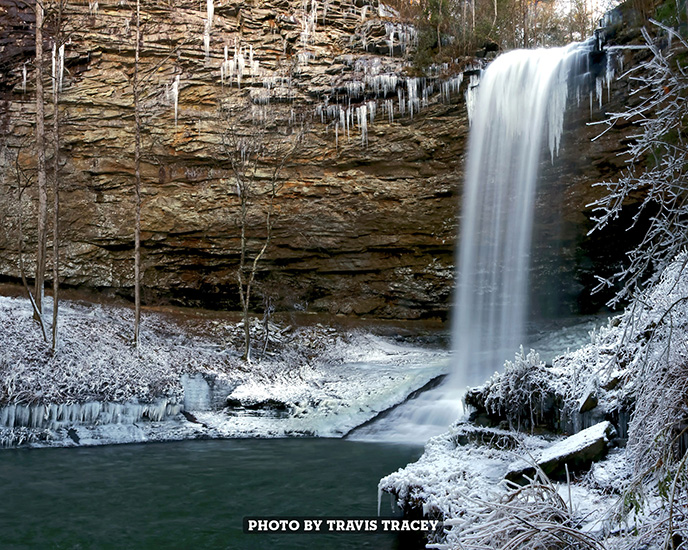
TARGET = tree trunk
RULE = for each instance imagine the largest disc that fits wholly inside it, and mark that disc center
(247, 331)
(524, 14)
(137, 176)
(20, 250)
(464, 24)
(244, 285)
(41, 247)
(56, 182)
(473, 15)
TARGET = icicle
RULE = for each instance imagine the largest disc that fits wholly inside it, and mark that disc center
(471, 93)
(206, 39)
(54, 70)
(389, 105)
(598, 90)
(412, 91)
(609, 75)
(60, 68)
(349, 122)
(557, 106)
(208, 25)
(308, 22)
(57, 67)
(210, 9)
(450, 87)
(92, 413)
(254, 64)
(232, 70)
(175, 97)
(362, 119)
(24, 78)
(93, 7)
(389, 29)
(239, 64)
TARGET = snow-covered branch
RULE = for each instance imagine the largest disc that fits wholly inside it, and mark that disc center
(656, 177)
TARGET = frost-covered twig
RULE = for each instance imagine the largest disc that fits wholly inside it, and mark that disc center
(528, 517)
(664, 183)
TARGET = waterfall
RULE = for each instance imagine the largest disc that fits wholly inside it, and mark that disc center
(518, 109)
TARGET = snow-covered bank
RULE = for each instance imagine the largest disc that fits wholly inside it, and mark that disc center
(98, 389)
(461, 479)
(634, 374)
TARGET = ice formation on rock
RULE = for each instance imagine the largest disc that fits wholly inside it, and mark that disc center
(175, 97)
(57, 67)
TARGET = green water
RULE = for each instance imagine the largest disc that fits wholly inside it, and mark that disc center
(192, 494)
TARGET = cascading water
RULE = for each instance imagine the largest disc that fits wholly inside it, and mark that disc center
(520, 103)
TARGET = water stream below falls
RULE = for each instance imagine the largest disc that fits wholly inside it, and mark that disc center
(429, 413)
(192, 494)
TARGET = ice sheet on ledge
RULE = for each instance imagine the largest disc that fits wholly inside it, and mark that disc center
(318, 402)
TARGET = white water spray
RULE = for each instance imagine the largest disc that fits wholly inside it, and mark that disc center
(519, 106)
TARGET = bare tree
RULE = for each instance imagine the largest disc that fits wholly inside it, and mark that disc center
(654, 280)
(24, 181)
(138, 81)
(247, 154)
(657, 169)
(41, 248)
(58, 66)
(137, 179)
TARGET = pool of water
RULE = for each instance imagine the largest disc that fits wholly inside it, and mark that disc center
(192, 494)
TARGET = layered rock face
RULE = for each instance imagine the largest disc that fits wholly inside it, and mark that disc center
(366, 207)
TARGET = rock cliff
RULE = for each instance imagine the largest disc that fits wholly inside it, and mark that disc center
(367, 207)
(366, 212)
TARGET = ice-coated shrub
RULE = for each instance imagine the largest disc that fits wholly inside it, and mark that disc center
(523, 393)
(534, 516)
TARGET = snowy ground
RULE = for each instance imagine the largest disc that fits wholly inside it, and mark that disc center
(461, 479)
(308, 380)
